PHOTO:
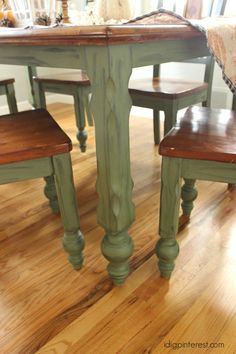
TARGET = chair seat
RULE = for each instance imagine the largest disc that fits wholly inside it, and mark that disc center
(29, 135)
(166, 88)
(6, 81)
(78, 77)
(203, 134)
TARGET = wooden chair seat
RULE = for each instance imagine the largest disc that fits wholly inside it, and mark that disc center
(7, 89)
(29, 135)
(201, 146)
(203, 134)
(75, 84)
(78, 77)
(32, 145)
(6, 81)
(166, 88)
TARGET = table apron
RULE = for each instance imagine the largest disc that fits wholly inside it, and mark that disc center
(74, 57)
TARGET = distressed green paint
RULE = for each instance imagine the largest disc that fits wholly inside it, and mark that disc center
(9, 91)
(31, 72)
(29, 169)
(209, 170)
(188, 195)
(73, 241)
(114, 184)
(163, 51)
(51, 193)
(167, 247)
(47, 56)
(82, 110)
(109, 68)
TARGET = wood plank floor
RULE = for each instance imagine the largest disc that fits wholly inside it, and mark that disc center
(47, 307)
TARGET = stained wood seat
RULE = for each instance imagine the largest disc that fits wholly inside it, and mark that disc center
(71, 78)
(170, 94)
(68, 83)
(201, 146)
(166, 88)
(7, 88)
(32, 145)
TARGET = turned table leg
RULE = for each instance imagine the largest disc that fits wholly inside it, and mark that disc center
(111, 105)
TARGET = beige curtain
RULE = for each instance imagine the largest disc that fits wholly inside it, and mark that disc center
(4, 5)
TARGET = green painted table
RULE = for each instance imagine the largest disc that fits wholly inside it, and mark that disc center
(108, 54)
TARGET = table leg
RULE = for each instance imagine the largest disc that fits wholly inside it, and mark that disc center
(109, 71)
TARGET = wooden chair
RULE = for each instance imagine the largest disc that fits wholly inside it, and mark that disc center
(74, 83)
(202, 146)
(7, 88)
(171, 95)
(32, 145)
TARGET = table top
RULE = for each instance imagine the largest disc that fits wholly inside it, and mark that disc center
(96, 35)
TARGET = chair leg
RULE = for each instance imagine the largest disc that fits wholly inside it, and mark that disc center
(188, 194)
(86, 104)
(11, 98)
(39, 95)
(207, 103)
(170, 117)
(167, 248)
(80, 120)
(156, 126)
(32, 71)
(51, 193)
(73, 241)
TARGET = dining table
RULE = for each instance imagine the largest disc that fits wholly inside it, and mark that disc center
(108, 53)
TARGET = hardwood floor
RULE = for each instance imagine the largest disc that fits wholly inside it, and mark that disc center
(47, 307)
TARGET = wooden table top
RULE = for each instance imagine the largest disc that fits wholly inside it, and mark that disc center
(95, 35)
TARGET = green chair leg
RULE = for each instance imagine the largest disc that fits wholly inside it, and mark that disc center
(167, 248)
(188, 195)
(73, 241)
(40, 96)
(51, 193)
(170, 117)
(31, 70)
(11, 98)
(80, 119)
(156, 126)
(86, 103)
